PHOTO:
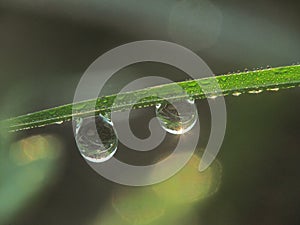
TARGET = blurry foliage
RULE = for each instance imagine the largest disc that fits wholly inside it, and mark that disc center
(189, 185)
(168, 202)
(26, 168)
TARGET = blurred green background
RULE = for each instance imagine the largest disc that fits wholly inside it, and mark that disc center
(45, 47)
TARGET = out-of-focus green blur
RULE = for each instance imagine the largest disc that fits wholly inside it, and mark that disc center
(45, 47)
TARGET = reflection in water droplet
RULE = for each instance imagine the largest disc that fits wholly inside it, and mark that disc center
(177, 122)
(96, 145)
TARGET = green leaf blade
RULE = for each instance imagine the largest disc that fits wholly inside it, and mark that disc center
(271, 79)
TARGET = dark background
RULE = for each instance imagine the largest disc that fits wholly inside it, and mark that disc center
(45, 47)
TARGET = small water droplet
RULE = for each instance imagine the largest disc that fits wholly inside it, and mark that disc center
(158, 105)
(273, 89)
(191, 100)
(213, 96)
(255, 91)
(176, 122)
(236, 93)
(59, 122)
(96, 145)
(204, 82)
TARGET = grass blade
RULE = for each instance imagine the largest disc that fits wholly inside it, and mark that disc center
(271, 79)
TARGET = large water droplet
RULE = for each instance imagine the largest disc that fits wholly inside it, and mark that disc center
(177, 118)
(96, 145)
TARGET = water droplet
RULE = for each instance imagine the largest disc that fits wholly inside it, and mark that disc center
(236, 93)
(158, 105)
(273, 89)
(59, 122)
(177, 122)
(212, 96)
(255, 91)
(96, 145)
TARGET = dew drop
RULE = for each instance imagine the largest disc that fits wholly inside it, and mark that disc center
(177, 122)
(212, 96)
(96, 145)
(158, 105)
(273, 89)
(255, 91)
(204, 82)
(236, 93)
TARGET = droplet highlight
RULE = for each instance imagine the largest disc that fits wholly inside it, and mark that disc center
(177, 118)
(96, 138)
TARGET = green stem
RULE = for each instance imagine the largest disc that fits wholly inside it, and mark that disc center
(271, 79)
